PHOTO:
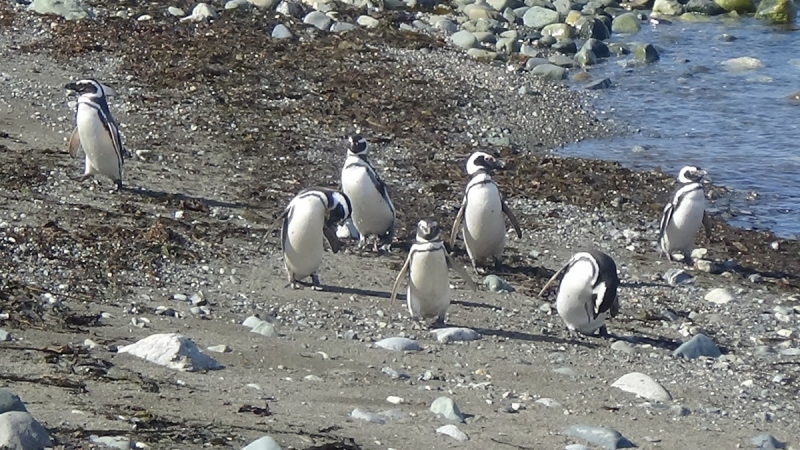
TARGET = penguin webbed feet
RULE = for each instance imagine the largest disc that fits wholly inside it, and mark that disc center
(315, 282)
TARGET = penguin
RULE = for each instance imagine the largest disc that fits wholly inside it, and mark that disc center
(482, 210)
(587, 293)
(373, 211)
(312, 214)
(684, 214)
(97, 133)
(428, 293)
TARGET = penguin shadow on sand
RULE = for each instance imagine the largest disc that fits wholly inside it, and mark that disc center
(198, 203)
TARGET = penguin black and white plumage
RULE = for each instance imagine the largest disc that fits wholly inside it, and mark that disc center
(312, 214)
(482, 210)
(587, 293)
(373, 211)
(428, 294)
(96, 132)
(684, 214)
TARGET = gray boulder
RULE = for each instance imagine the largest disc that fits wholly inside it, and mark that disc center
(68, 9)
(699, 345)
(592, 27)
(263, 4)
(318, 19)
(263, 443)
(550, 72)
(281, 32)
(779, 12)
(707, 7)
(586, 57)
(740, 6)
(645, 53)
(10, 401)
(668, 7)
(20, 431)
(598, 47)
(565, 46)
(627, 23)
(605, 83)
(464, 39)
(538, 17)
(565, 6)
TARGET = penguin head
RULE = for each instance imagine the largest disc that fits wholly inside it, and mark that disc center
(88, 86)
(482, 161)
(427, 230)
(358, 145)
(691, 174)
(339, 207)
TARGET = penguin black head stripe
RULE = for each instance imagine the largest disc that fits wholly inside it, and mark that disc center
(358, 145)
(88, 86)
(339, 206)
(691, 174)
(427, 230)
(481, 161)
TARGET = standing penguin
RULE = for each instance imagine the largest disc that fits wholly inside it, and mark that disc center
(684, 214)
(313, 213)
(96, 132)
(429, 283)
(482, 213)
(373, 211)
(587, 293)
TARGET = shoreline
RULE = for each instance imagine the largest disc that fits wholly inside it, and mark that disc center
(227, 150)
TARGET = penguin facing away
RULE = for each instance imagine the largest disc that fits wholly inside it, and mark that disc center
(587, 293)
(481, 213)
(683, 215)
(96, 132)
(312, 215)
(428, 293)
(373, 212)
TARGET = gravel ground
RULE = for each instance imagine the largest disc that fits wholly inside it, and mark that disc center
(226, 126)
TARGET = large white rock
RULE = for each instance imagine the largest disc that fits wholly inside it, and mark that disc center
(453, 334)
(264, 443)
(68, 9)
(742, 63)
(642, 385)
(172, 350)
(20, 431)
(720, 296)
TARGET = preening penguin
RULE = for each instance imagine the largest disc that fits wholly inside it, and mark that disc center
(96, 132)
(482, 210)
(313, 213)
(684, 214)
(429, 283)
(588, 292)
(373, 211)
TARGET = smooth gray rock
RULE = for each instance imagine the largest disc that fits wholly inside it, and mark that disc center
(627, 23)
(318, 19)
(360, 414)
(176, 12)
(538, 17)
(263, 443)
(342, 27)
(398, 344)
(464, 39)
(605, 83)
(766, 441)
(9, 401)
(533, 62)
(453, 431)
(565, 46)
(5, 336)
(564, 7)
(549, 71)
(586, 57)
(279, 32)
(368, 22)
(699, 345)
(265, 328)
(561, 60)
(118, 442)
(453, 334)
(201, 12)
(68, 9)
(668, 7)
(645, 53)
(624, 347)
(568, 371)
(496, 284)
(559, 31)
(707, 7)
(677, 277)
(577, 447)
(447, 408)
(643, 386)
(598, 47)
(592, 27)
(263, 4)
(289, 8)
(20, 431)
(173, 351)
(602, 436)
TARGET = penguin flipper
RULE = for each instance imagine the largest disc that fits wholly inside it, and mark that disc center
(513, 219)
(457, 222)
(333, 240)
(400, 275)
(555, 276)
(666, 216)
(74, 143)
(461, 272)
(707, 223)
(272, 227)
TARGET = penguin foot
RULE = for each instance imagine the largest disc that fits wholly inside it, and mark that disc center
(603, 332)
(119, 185)
(575, 334)
(439, 322)
(315, 282)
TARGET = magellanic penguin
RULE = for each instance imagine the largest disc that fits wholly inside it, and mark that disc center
(313, 213)
(429, 282)
(482, 210)
(587, 293)
(373, 211)
(684, 214)
(96, 132)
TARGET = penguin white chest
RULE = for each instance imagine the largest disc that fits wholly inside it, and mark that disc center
(302, 245)
(686, 221)
(429, 284)
(101, 157)
(372, 214)
(574, 302)
(484, 224)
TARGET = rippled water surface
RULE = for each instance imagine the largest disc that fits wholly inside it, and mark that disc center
(688, 109)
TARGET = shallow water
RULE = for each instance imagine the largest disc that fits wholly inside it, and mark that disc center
(688, 109)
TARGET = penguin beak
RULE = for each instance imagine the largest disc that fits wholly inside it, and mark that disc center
(72, 87)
